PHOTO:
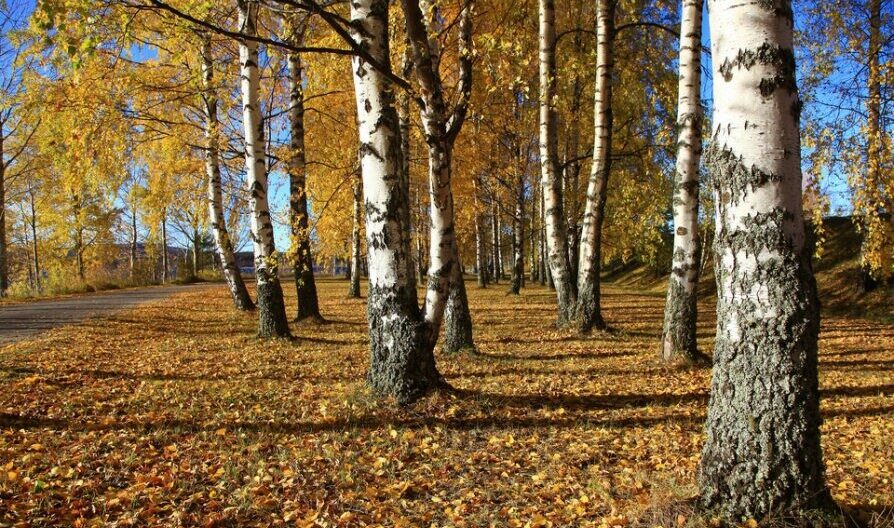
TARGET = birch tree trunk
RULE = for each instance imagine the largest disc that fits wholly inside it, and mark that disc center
(4, 249)
(678, 341)
(165, 265)
(305, 283)
(403, 114)
(762, 453)
(446, 291)
(518, 238)
(873, 262)
(556, 233)
(272, 319)
(222, 243)
(534, 244)
(589, 310)
(402, 362)
(480, 238)
(495, 243)
(354, 288)
(34, 254)
(133, 241)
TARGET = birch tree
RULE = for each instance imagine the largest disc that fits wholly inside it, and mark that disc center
(589, 311)
(357, 192)
(222, 243)
(554, 218)
(305, 284)
(272, 320)
(402, 362)
(446, 291)
(680, 312)
(762, 454)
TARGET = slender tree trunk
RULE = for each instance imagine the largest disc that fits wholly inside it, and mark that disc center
(445, 296)
(4, 250)
(572, 168)
(421, 264)
(402, 361)
(272, 319)
(589, 310)
(305, 283)
(214, 192)
(79, 253)
(535, 246)
(403, 113)
(518, 238)
(762, 453)
(480, 238)
(354, 289)
(544, 261)
(133, 242)
(195, 252)
(681, 309)
(495, 244)
(875, 262)
(35, 257)
(165, 266)
(556, 235)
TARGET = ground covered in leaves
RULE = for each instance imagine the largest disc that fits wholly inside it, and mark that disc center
(173, 414)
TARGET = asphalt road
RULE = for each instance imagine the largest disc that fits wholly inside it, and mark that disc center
(21, 320)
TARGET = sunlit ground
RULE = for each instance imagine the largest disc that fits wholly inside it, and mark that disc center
(174, 414)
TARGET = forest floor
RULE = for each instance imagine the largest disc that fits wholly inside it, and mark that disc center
(174, 414)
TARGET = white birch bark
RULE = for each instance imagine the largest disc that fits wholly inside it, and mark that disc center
(272, 320)
(356, 218)
(589, 312)
(445, 281)
(222, 243)
(678, 340)
(762, 452)
(556, 231)
(402, 362)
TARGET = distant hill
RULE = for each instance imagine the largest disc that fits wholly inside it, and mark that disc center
(837, 274)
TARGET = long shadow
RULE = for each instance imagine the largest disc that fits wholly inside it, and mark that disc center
(160, 376)
(858, 364)
(556, 357)
(364, 423)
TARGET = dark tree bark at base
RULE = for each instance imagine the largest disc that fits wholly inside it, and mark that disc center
(678, 337)
(457, 319)
(272, 319)
(306, 288)
(402, 361)
(588, 316)
(241, 298)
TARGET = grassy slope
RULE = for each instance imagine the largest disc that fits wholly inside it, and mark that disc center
(837, 274)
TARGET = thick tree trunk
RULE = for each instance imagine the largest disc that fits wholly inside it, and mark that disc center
(556, 233)
(354, 288)
(402, 361)
(272, 319)
(305, 283)
(589, 310)
(678, 342)
(762, 454)
(518, 238)
(222, 243)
